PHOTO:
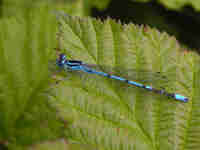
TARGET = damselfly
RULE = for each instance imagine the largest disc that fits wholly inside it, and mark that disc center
(76, 65)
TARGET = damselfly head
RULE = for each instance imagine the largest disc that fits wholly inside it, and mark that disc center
(61, 60)
(62, 57)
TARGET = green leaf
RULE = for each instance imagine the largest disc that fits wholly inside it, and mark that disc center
(71, 7)
(110, 115)
(26, 43)
(99, 4)
(82, 8)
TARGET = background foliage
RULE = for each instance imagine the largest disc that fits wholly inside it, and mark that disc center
(176, 4)
(38, 113)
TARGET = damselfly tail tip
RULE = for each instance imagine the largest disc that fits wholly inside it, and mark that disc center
(181, 98)
(186, 99)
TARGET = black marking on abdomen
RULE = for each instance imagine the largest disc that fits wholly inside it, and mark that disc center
(108, 75)
(126, 81)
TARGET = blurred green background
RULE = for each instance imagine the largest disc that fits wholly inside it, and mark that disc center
(178, 18)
